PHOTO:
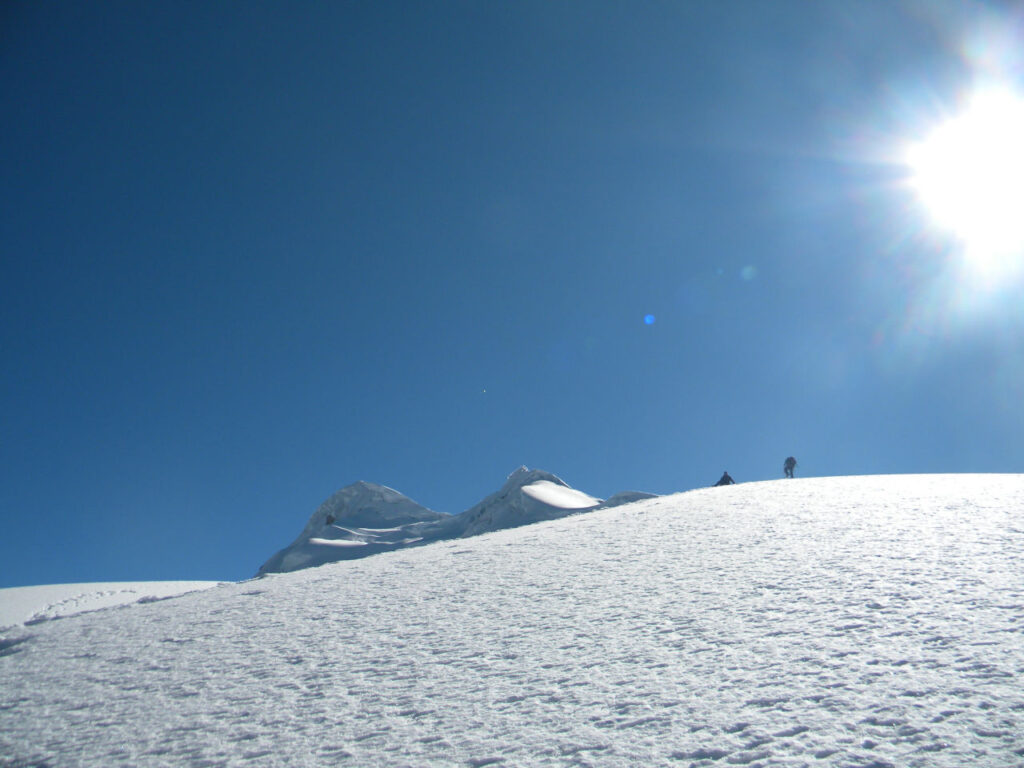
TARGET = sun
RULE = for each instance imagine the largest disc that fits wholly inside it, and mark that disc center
(969, 174)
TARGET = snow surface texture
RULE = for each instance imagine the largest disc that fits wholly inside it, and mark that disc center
(871, 621)
(366, 519)
(20, 605)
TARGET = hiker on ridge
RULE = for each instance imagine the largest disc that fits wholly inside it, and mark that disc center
(789, 466)
(724, 480)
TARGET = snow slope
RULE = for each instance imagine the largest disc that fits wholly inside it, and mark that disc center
(864, 621)
(19, 605)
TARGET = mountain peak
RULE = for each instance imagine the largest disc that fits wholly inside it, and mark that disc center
(365, 518)
(353, 523)
(528, 496)
(525, 476)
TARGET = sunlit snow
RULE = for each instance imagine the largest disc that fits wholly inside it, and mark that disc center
(559, 495)
(51, 601)
(337, 542)
(871, 621)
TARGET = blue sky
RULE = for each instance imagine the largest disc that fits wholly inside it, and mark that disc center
(253, 253)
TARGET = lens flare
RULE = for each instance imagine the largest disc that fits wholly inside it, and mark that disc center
(969, 174)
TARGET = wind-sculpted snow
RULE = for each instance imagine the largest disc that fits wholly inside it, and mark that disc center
(834, 622)
(559, 496)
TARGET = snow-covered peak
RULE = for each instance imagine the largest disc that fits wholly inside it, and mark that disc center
(363, 503)
(525, 476)
(528, 496)
(366, 518)
(361, 519)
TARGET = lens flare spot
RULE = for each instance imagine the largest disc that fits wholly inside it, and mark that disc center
(648, 319)
(969, 174)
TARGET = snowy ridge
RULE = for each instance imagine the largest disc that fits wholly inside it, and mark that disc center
(863, 621)
(366, 519)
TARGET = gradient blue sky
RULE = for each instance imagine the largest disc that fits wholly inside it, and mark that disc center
(253, 252)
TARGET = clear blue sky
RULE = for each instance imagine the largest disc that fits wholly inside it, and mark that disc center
(253, 252)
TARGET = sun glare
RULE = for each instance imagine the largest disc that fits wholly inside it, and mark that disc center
(969, 173)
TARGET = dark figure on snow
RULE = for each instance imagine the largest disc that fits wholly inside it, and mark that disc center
(725, 480)
(789, 466)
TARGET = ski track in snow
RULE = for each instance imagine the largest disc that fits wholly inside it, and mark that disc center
(863, 622)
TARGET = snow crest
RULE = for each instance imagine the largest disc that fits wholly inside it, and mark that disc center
(559, 496)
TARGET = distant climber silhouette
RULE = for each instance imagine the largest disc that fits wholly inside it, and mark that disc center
(724, 480)
(789, 466)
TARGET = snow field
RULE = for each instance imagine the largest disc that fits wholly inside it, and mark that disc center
(832, 622)
(19, 605)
